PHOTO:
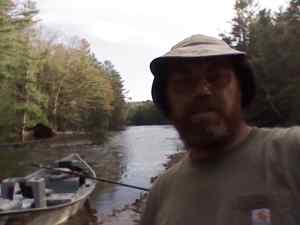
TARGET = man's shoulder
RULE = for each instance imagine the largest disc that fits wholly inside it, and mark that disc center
(173, 169)
(282, 151)
(280, 134)
(280, 145)
(168, 176)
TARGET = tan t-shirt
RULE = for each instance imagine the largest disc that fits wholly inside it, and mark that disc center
(256, 183)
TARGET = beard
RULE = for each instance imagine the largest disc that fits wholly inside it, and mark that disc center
(207, 127)
(203, 134)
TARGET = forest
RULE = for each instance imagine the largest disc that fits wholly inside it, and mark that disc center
(272, 41)
(56, 81)
(52, 80)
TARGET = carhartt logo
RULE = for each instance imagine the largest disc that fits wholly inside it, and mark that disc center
(261, 216)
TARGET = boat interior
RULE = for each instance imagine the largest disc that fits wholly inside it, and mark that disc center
(43, 188)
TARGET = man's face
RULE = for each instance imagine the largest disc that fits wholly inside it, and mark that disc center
(204, 102)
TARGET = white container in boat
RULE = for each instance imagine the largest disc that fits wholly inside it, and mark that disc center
(39, 191)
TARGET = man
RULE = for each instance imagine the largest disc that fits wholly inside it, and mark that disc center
(232, 174)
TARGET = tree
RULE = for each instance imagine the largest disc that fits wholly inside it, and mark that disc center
(73, 85)
(59, 83)
(118, 115)
(15, 20)
(145, 113)
(239, 35)
(272, 41)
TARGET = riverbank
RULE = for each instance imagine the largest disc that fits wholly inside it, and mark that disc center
(130, 214)
(60, 139)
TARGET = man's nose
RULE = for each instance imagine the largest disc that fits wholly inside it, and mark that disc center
(202, 87)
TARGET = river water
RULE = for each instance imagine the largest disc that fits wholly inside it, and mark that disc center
(131, 156)
(144, 149)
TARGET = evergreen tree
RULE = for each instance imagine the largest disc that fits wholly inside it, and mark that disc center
(272, 43)
(118, 115)
(15, 66)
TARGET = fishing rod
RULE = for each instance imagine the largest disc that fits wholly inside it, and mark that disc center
(90, 177)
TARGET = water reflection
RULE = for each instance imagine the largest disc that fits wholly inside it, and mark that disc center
(145, 149)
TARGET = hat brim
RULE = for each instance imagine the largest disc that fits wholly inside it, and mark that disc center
(186, 54)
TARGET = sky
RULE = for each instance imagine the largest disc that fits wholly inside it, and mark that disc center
(132, 33)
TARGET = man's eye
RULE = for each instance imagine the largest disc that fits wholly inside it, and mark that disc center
(181, 84)
(218, 76)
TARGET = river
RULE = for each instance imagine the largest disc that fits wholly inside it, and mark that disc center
(131, 156)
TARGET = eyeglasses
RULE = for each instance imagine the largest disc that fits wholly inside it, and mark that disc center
(188, 78)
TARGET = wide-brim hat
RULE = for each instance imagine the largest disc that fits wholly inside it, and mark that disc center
(200, 47)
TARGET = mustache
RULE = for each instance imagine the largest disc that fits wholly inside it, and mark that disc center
(202, 105)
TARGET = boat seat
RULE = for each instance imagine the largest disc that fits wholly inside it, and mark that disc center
(68, 185)
(59, 198)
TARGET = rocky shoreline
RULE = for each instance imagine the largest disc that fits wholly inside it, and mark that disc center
(130, 214)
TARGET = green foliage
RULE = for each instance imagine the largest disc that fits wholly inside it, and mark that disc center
(7, 118)
(16, 65)
(82, 92)
(272, 41)
(54, 83)
(96, 124)
(145, 113)
(117, 118)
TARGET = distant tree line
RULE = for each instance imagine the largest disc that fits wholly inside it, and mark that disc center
(272, 40)
(144, 113)
(59, 83)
